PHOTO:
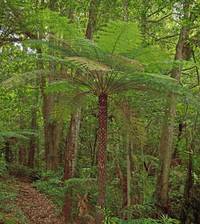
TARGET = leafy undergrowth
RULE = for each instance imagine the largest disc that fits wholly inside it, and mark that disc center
(23, 172)
(9, 212)
(51, 185)
(162, 220)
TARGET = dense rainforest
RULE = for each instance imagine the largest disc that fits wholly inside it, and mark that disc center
(99, 111)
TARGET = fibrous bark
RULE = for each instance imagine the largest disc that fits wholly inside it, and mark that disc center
(102, 143)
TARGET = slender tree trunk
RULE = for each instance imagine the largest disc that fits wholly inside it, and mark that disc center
(22, 155)
(71, 145)
(144, 26)
(125, 10)
(102, 144)
(53, 145)
(165, 155)
(94, 155)
(180, 130)
(92, 18)
(33, 140)
(188, 186)
(70, 159)
(128, 170)
(189, 182)
(72, 138)
(166, 140)
(51, 133)
(123, 184)
(8, 153)
(51, 128)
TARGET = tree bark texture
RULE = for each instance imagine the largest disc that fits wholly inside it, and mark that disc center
(92, 18)
(166, 141)
(72, 145)
(33, 140)
(102, 144)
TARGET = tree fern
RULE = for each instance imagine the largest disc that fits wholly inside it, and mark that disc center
(119, 37)
(153, 58)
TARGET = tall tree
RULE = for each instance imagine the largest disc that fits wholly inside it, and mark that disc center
(71, 145)
(166, 141)
(92, 18)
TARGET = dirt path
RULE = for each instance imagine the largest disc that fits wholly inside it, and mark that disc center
(36, 207)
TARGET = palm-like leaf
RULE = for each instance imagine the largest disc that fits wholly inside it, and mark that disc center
(100, 66)
(119, 37)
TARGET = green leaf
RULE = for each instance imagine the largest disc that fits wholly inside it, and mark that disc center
(119, 37)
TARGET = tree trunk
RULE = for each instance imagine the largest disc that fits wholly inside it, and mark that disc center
(102, 143)
(33, 140)
(22, 155)
(165, 155)
(123, 184)
(92, 18)
(71, 145)
(185, 213)
(128, 166)
(67, 207)
(166, 141)
(93, 153)
(51, 129)
(180, 130)
(70, 159)
(8, 153)
(189, 182)
(72, 138)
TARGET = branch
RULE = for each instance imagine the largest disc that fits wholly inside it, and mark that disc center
(167, 37)
(157, 11)
(159, 20)
(197, 70)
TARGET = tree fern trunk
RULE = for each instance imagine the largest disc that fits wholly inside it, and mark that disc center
(102, 143)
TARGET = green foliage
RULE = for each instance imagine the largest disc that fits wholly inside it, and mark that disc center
(51, 185)
(23, 171)
(154, 59)
(52, 55)
(9, 213)
(167, 220)
(11, 134)
(3, 167)
(119, 37)
(162, 220)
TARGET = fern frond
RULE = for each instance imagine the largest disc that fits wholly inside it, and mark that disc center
(119, 37)
(153, 58)
(20, 134)
(145, 81)
(21, 79)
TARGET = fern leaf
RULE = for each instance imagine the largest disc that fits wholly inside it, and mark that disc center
(119, 37)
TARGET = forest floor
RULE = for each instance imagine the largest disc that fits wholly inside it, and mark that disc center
(36, 207)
